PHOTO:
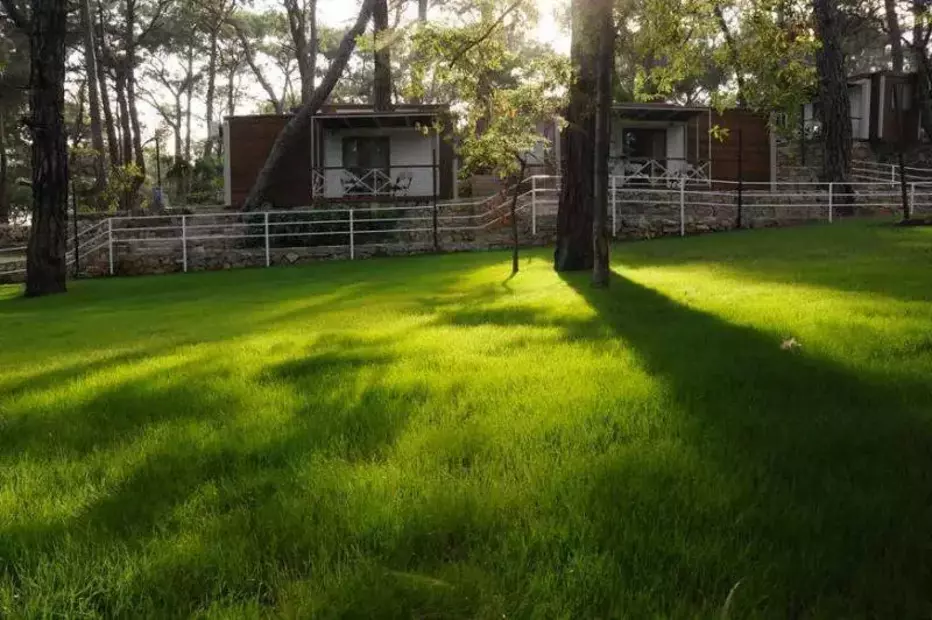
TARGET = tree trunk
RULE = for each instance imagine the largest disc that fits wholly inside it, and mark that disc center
(422, 10)
(211, 92)
(895, 34)
(97, 134)
(833, 94)
(113, 142)
(515, 264)
(574, 217)
(231, 92)
(292, 136)
(189, 98)
(382, 73)
(45, 258)
(603, 141)
(4, 170)
(130, 76)
(126, 136)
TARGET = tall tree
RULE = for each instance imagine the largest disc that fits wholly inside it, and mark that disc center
(834, 105)
(97, 133)
(603, 139)
(575, 212)
(302, 25)
(110, 122)
(45, 254)
(895, 34)
(214, 15)
(293, 133)
(382, 66)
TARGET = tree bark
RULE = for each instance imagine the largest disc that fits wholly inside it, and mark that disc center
(835, 107)
(302, 23)
(574, 216)
(126, 136)
(896, 35)
(515, 263)
(231, 92)
(189, 99)
(45, 255)
(422, 10)
(129, 67)
(97, 134)
(292, 136)
(603, 140)
(382, 71)
(4, 170)
(113, 142)
(211, 90)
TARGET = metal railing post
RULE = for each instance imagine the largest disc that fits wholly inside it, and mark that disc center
(912, 200)
(184, 243)
(831, 201)
(534, 206)
(682, 206)
(110, 242)
(614, 205)
(892, 174)
(268, 252)
(352, 243)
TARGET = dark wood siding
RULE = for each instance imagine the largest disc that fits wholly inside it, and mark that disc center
(755, 154)
(892, 125)
(875, 106)
(251, 140)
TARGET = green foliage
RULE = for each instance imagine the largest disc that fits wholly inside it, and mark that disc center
(122, 182)
(680, 41)
(503, 86)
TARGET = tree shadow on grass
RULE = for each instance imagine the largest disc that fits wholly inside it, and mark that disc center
(827, 472)
(231, 496)
(854, 257)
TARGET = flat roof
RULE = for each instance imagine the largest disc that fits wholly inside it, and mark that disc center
(337, 120)
(655, 111)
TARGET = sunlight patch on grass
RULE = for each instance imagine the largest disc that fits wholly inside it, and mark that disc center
(429, 437)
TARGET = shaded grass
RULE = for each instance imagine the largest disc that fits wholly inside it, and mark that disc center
(422, 437)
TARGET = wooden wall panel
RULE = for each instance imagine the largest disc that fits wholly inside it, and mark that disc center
(755, 137)
(251, 140)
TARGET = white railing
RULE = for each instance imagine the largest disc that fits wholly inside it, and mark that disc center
(397, 181)
(750, 204)
(191, 239)
(872, 171)
(666, 172)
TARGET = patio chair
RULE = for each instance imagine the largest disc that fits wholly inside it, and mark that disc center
(403, 182)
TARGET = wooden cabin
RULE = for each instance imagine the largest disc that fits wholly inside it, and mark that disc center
(351, 153)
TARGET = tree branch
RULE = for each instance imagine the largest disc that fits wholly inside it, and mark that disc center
(485, 35)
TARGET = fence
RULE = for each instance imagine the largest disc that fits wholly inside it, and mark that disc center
(184, 242)
(867, 171)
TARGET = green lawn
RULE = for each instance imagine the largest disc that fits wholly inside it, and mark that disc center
(425, 438)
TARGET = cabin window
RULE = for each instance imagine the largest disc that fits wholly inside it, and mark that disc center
(640, 144)
(363, 154)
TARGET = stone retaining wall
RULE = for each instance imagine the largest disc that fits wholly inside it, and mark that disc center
(637, 215)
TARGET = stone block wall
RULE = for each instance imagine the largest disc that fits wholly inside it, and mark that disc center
(216, 242)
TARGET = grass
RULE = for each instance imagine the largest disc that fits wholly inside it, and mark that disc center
(425, 438)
